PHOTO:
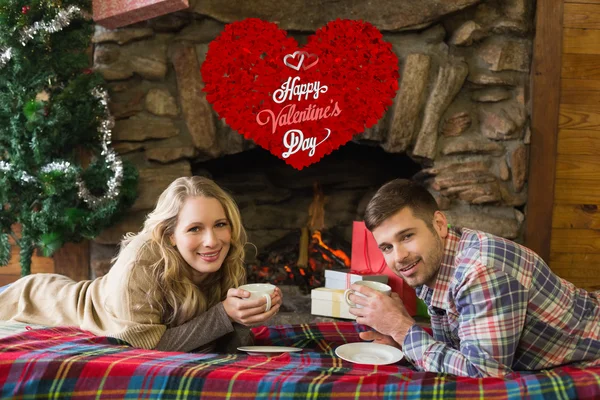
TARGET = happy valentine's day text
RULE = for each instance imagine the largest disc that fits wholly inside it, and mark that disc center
(294, 139)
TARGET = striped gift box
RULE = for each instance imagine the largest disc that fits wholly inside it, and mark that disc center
(329, 303)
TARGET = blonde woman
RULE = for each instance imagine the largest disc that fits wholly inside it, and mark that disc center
(172, 286)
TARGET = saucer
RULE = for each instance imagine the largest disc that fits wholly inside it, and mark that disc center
(369, 353)
(266, 350)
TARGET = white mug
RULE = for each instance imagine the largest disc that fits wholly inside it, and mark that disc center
(380, 287)
(258, 290)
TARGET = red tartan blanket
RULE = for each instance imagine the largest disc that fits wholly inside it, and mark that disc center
(69, 363)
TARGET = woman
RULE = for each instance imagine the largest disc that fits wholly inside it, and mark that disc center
(172, 286)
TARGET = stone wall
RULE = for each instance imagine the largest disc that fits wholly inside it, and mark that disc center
(461, 113)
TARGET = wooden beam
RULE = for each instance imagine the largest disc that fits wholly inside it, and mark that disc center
(545, 94)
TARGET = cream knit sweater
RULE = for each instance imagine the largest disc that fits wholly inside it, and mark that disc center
(114, 305)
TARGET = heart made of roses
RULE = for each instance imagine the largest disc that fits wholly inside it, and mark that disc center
(300, 104)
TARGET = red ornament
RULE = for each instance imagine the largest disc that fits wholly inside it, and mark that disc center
(88, 71)
(25, 9)
(300, 104)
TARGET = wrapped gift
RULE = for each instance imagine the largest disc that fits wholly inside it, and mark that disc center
(117, 13)
(338, 279)
(329, 303)
(367, 259)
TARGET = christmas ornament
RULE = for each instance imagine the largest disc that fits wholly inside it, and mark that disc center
(300, 104)
(42, 96)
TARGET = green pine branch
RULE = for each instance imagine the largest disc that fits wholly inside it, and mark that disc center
(48, 114)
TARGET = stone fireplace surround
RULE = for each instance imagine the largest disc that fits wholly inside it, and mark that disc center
(459, 123)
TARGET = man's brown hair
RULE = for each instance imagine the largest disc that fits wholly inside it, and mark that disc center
(397, 195)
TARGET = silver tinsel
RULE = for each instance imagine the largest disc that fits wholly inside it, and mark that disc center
(112, 159)
(62, 19)
(60, 166)
(5, 55)
(21, 175)
(26, 178)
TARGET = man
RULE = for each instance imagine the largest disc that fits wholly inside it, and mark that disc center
(495, 306)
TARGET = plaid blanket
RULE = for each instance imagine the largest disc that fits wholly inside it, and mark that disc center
(70, 363)
(11, 328)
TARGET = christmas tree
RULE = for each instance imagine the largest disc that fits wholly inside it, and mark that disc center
(60, 180)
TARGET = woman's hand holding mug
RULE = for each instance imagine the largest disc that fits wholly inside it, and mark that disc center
(253, 303)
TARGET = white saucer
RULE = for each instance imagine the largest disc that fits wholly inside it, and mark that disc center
(263, 350)
(369, 353)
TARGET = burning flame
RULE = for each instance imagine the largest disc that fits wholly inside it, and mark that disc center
(338, 253)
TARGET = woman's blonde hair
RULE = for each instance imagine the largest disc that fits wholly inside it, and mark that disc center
(182, 299)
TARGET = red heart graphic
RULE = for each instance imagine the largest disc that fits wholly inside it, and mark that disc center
(300, 104)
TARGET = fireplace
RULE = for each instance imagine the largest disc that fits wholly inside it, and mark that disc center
(301, 221)
(459, 122)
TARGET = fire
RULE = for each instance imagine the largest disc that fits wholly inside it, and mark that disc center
(302, 260)
(339, 254)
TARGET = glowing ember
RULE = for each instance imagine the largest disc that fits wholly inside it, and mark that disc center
(326, 250)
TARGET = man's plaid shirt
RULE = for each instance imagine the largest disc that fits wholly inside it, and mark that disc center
(496, 307)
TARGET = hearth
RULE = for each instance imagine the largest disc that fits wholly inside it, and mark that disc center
(301, 221)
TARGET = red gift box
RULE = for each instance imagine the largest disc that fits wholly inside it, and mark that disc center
(117, 13)
(368, 259)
